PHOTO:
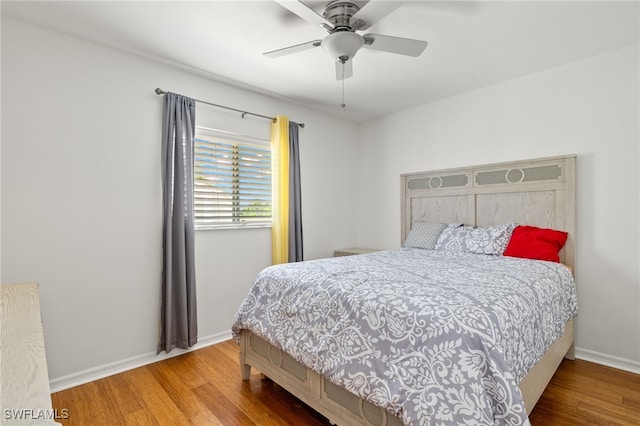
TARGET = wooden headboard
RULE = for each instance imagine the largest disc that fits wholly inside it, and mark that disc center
(538, 192)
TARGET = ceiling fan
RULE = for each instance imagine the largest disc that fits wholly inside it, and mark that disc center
(342, 19)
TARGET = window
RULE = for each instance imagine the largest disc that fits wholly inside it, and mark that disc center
(232, 180)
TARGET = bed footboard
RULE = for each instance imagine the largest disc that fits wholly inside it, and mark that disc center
(342, 407)
(336, 404)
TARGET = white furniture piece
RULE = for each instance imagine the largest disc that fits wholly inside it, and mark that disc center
(538, 192)
(25, 396)
(353, 251)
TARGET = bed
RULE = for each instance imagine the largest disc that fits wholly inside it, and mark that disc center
(401, 375)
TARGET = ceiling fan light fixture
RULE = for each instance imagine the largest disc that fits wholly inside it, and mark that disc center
(342, 44)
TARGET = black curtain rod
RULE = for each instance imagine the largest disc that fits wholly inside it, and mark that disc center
(162, 92)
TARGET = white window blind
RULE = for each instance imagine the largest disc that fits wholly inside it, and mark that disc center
(232, 180)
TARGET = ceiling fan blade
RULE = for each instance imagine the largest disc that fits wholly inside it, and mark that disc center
(292, 49)
(372, 12)
(399, 45)
(344, 70)
(305, 13)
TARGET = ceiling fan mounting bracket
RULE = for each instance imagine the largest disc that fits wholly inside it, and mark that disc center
(339, 14)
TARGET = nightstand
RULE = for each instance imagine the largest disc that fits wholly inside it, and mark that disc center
(352, 251)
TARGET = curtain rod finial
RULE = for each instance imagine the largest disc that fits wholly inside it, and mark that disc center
(159, 91)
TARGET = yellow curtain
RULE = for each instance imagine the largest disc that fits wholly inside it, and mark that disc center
(280, 176)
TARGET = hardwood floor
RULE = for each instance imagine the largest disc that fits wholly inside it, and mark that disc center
(584, 393)
(204, 387)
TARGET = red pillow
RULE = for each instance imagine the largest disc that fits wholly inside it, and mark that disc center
(536, 243)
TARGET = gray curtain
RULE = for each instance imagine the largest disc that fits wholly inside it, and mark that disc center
(178, 315)
(295, 196)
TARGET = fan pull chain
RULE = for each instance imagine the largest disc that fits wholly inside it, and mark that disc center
(343, 104)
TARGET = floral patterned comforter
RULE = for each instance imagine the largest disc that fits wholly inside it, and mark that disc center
(433, 337)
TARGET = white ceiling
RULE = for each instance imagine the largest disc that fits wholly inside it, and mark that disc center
(471, 44)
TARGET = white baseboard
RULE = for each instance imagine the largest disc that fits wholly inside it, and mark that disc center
(95, 373)
(608, 360)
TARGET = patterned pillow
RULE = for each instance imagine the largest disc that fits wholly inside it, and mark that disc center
(475, 239)
(424, 235)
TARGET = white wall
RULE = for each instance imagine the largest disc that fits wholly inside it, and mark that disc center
(0, 148)
(589, 108)
(81, 195)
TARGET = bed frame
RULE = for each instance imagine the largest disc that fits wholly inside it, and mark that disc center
(537, 192)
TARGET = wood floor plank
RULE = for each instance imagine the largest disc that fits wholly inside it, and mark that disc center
(188, 404)
(584, 393)
(77, 402)
(205, 387)
(92, 405)
(160, 405)
(609, 412)
(125, 396)
(545, 417)
(140, 417)
(226, 374)
(574, 383)
(190, 376)
(206, 418)
(218, 403)
(106, 410)
(632, 401)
